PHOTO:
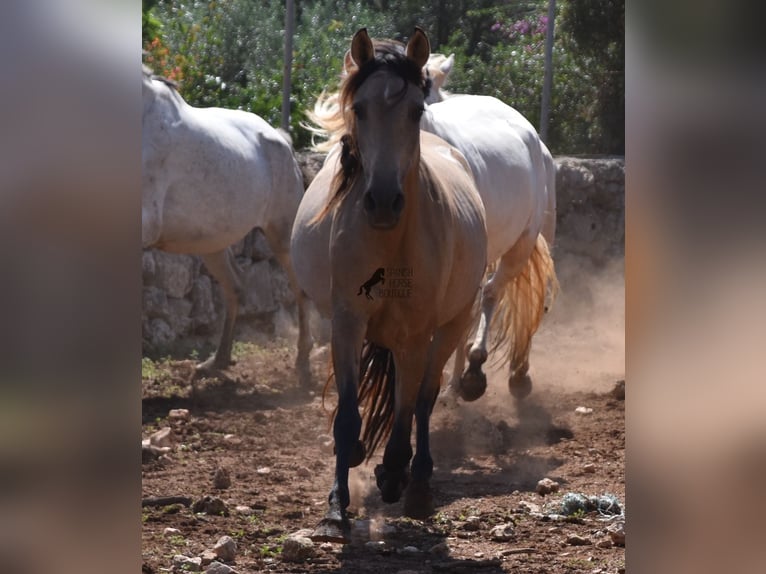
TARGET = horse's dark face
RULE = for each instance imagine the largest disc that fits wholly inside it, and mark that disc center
(387, 109)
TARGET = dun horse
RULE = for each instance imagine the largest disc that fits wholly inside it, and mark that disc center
(394, 198)
(209, 176)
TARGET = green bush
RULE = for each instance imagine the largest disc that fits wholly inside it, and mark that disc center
(228, 53)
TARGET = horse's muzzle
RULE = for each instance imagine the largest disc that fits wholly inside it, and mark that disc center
(384, 212)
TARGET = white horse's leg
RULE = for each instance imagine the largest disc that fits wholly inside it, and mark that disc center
(474, 382)
(279, 240)
(223, 268)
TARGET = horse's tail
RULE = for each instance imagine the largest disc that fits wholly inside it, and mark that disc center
(522, 304)
(377, 380)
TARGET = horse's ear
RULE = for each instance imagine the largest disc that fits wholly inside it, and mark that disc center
(348, 63)
(362, 50)
(446, 66)
(419, 48)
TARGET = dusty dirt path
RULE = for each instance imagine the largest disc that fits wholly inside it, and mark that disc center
(273, 439)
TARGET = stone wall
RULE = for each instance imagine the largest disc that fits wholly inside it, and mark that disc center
(182, 303)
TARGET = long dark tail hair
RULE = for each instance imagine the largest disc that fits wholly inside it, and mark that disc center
(377, 383)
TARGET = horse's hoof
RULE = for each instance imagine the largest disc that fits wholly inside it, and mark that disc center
(473, 383)
(520, 385)
(358, 454)
(332, 530)
(477, 356)
(391, 485)
(418, 501)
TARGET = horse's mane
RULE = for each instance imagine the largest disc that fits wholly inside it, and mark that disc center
(335, 119)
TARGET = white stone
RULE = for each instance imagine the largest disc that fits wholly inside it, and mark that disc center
(297, 549)
(547, 486)
(225, 548)
(162, 438)
(583, 410)
(502, 532)
(184, 563)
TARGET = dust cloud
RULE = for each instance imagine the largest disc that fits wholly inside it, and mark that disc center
(581, 342)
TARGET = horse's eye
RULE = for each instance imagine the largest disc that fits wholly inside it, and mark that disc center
(358, 111)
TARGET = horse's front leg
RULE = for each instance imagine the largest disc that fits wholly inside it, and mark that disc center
(393, 475)
(347, 338)
(418, 500)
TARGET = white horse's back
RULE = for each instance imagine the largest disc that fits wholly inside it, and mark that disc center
(212, 174)
(506, 157)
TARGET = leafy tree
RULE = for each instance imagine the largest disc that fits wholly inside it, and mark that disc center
(229, 53)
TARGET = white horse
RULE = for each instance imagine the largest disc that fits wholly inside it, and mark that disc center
(209, 176)
(515, 176)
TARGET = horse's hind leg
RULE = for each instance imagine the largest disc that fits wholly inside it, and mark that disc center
(278, 237)
(418, 500)
(222, 266)
(474, 382)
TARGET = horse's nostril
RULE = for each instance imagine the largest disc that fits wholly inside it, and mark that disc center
(368, 202)
(398, 205)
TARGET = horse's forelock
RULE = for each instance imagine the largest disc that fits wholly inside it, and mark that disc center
(390, 55)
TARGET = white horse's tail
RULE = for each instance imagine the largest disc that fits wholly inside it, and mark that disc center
(522, 304)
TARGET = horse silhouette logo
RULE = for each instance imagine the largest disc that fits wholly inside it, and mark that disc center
(378, 277)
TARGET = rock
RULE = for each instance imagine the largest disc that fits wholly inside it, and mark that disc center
(589, 468)
(257, 291)
(297, 548)
(170, 531)
(179, 414)
(174, 273)
(618, 392)
(605, 543)
(151, 453)
(529, 507)
(304, 472)
(583, 410)
(183, 563)
(162, 438)
(440, 550)
(546, 486)
(263, 470)
(326, 547)
(617, 533)
(148, 267)
(410, 550)
(244, 510)
(211, 506)
(577, 540)
(375, 544)
(158, 332)
(225, 548)
(472, 523)
(221, 478)
(218, 568)
(502, 532)
(155, 303)
(208, 557)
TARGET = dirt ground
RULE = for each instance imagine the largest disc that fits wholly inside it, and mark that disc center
(274, 440)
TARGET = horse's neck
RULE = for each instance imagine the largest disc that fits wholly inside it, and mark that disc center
(166, 101)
